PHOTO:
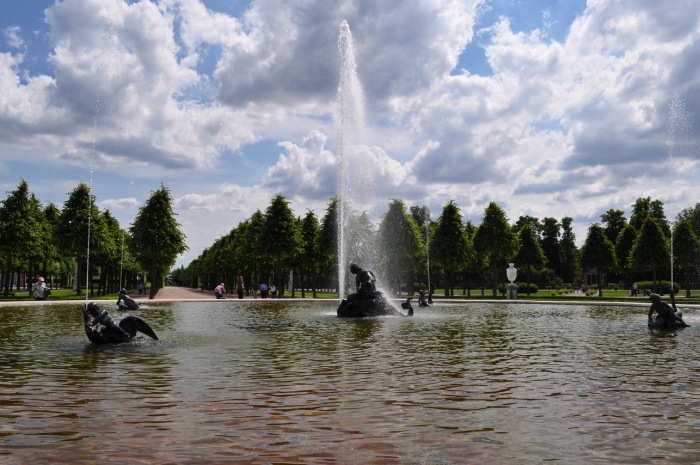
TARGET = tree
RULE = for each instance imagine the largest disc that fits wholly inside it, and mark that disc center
(19, 227)
(400, 243)
(309, 231)
(447, 243)
(534, 223)
(568, 250)
(495, 239)
(598, 253)
(623, 248)
(156, 238)
(644, 207)
(282, 235)
(531, 254)
(75, 226)
(327, 242)
(650, 250)
(614, 221)
(550, 243)
(686, 249)
(693, 215)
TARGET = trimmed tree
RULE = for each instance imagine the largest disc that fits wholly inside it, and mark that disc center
(309, 231)
(686, 249)
(400, 242)
(650, 251)
(448, 243)
(598, 253)
(156, 239)
(530, 254)
(495, 239)
(76, 222)
(19, 228)
(282, 235)
(623, 248)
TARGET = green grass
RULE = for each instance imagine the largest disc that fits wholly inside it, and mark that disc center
(57, 294)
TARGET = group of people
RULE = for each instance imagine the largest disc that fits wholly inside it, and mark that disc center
(220, 290)
(264, 290)
(143, 288)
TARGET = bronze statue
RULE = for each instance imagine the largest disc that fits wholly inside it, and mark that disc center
(367, 301)
(666, 317)
(128, 304)
(104, 330)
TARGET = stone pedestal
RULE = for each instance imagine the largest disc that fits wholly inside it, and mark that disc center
(512, 291)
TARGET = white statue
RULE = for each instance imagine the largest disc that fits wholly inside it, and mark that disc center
(511, 272)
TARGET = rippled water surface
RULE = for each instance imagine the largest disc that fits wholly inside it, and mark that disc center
(271, 382)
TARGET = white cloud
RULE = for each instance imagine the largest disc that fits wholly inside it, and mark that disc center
(573, 127)
(128, 203)
(12, 35)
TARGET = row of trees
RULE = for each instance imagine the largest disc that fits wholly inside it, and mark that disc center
(270, 244)
(79, 239)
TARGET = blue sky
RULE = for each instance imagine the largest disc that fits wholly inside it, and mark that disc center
(550, 108)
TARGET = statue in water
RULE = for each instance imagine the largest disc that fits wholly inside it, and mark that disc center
(367, 301)
(666, 317)
(421, 300)
(103, 329)
(128, 304)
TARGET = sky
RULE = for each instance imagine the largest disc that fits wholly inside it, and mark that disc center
(550, 108)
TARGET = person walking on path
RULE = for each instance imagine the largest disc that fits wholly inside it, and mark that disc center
(263, 290)
(39, 289)
(220, 291)
(240, 287)
(254, 289)
(273, 290)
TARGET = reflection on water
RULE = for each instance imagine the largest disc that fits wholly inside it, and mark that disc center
(266, 382)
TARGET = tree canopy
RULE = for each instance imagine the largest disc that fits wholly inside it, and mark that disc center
(156, 237)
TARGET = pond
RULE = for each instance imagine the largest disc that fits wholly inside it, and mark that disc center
(288, 382)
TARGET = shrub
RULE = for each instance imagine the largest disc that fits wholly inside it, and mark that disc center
(662, 286)
(522, 288)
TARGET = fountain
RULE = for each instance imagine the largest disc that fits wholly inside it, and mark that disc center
(355, 191)
(355, 176)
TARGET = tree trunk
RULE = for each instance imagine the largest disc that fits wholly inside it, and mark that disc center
(279, 283)
(78, 278)
(529, 273)
(313, 279)
(154, 272)
(495, 278)
(8, 269)
(654, 276)
(687, 283)
(600, 283)
(447, 282)
(469, 288)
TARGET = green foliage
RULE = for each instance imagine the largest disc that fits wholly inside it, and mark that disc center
(282, 235)
(400, 242)
(569, 251)
(650, 250)
(665, 286)
(623, 246)
(533, 222)
(551, 232)
(598, 253)
(614, 221)
(20, 227)
(523, 288)
(495, 239)
(644, 207)
(156, 238)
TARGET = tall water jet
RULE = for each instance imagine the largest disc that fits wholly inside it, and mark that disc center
(355, 178)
